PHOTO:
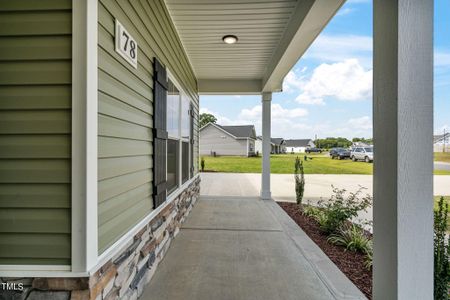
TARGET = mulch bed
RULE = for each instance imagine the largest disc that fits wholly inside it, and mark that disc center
(350, 263)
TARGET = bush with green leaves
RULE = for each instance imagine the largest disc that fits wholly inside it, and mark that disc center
(310, 211)
(441, 252)
(340, 208)
(202, 164)
(299, 180)
(352, 237)
(368, 262)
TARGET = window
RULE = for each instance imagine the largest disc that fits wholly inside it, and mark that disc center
(173, 173)
(178, 142)
(173, 110)
(185, 162)
(185, 117)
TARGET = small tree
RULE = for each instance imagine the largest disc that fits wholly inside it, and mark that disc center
(299, 180)
(206, 118)
(202, 164)
(441, 252)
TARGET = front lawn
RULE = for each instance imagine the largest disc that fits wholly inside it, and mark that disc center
(442, 156)
(284, 164)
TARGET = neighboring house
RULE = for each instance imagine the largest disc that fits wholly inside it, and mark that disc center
(258, 145)
(298, 146)
(279, 145)
(236, 140)
(440, 142)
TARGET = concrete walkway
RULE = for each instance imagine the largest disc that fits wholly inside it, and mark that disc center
(245, 248)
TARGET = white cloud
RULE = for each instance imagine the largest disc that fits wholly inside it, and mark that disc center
(358, 1)
(285, 122)
(441, 129)
(293, 123)
(335, 48)
(441, 59)
(364, 122)
(292, 82)
(220, 119)
(278, 112)
(345, 81)
(345, 11)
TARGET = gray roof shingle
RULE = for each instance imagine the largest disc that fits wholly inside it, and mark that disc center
(297, 143)
(277, 141)
(240, 131)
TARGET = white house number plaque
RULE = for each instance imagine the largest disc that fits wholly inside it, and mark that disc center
(126, 45)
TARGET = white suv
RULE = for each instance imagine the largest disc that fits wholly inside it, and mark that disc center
(362, 153)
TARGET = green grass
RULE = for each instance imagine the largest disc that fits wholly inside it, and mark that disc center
(441, 156)
(284, 164)
(441, 172)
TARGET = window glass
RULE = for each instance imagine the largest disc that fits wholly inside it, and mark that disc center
(172, 165)
(368, 149)
(185, 118)
(185, 161)
(173, 110)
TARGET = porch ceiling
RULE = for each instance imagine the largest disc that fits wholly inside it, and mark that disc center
(272, 37)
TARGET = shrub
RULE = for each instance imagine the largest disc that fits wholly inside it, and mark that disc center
(368, 262)
(299, 180)
(202, 164)
(310, 211)
(338, 209)
(441, 252)
(352, 237)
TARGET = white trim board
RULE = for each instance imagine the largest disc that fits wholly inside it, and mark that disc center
(39, 271)
(84, 134)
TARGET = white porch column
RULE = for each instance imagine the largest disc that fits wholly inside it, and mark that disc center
(265, 176)
(403, 133)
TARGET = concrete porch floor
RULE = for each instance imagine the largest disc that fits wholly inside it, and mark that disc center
(234, 248)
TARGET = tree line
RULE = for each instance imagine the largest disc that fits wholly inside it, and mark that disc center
(339, 142)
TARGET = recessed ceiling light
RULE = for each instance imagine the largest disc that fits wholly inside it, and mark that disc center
(230, 39)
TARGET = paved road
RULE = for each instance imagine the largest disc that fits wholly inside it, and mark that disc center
(438, 165)
(282, 185)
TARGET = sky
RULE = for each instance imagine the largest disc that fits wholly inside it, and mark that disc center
(328, 93)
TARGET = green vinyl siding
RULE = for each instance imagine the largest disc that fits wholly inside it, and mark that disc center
(125, 144)
(35, 132)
